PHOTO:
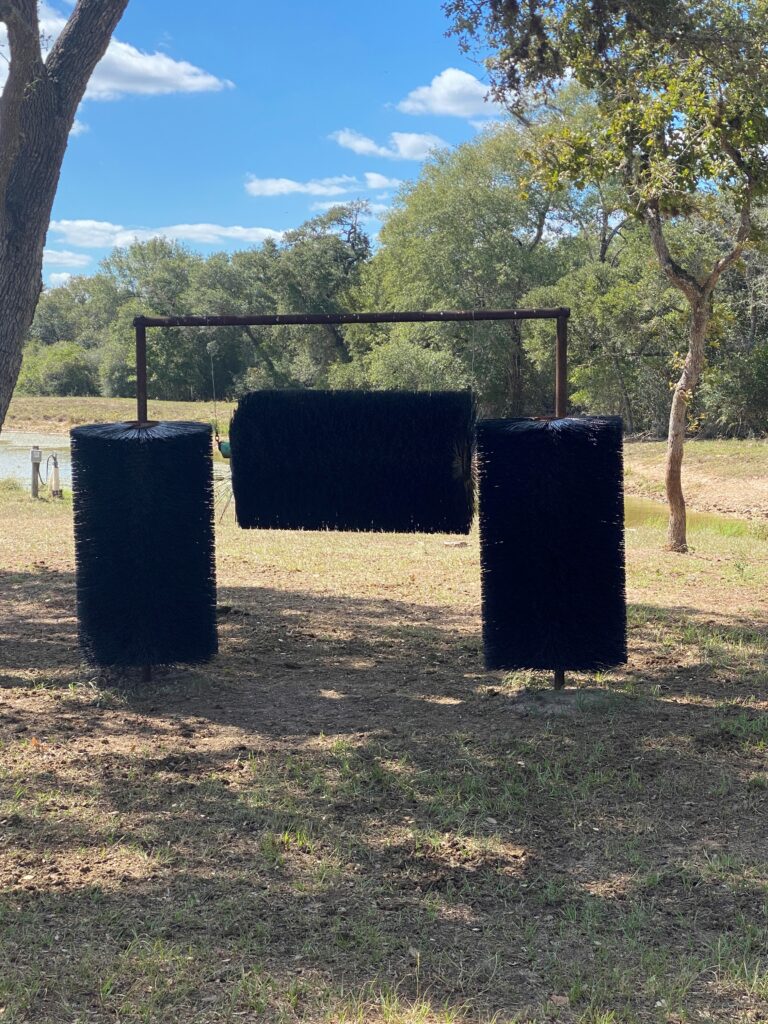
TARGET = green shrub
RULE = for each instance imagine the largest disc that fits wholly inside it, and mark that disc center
(400, 364)
(64, 368)
(734, 395)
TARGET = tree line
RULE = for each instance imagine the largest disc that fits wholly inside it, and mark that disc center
(474, 230)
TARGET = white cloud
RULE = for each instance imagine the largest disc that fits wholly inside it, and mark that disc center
(56, 280)
(65, 258)
(350, 139)
(402, 145)
(79, 128)
(453, 92)
(124, 69)
(337, 186)
(100, 234)
(415, 146)
(373, 180)
(340, 185)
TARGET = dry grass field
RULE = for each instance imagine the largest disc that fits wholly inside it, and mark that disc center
(343, 818)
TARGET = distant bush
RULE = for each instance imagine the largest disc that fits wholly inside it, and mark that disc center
(64, 368)
(400, 364)
(255, 378)
(734, 395)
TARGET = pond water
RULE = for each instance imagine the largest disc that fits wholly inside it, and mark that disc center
(645, 512)
(14, 455)
(14, 463)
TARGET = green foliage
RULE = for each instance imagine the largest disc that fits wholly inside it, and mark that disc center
(735, 395)
(401, 364)
(682, 97)
(63, 368)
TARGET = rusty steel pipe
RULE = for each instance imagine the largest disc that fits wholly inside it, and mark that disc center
(141, 371)
(386, 317)
(561, 366)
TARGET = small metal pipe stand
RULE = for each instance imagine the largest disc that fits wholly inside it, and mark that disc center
(141, 415)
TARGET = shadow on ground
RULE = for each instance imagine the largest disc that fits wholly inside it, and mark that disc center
(343, 814)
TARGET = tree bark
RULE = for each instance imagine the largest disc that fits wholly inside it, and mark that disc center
(684, 390)
(37, 110)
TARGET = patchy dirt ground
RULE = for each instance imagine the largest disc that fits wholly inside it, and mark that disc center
(726, 477)
(343, 818)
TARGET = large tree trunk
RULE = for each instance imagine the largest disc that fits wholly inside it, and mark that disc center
(37, 110)
(678, 418)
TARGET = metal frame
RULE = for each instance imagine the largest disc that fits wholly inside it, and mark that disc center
(560, 314)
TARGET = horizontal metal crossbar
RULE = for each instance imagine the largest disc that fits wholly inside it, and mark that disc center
(386, 317)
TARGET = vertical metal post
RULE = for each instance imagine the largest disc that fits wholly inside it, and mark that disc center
(141, 370)
(561, 367)
(561, 408)
(141, 411)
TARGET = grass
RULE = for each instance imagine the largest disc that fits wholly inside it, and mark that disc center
(57, 415)
(344, 819)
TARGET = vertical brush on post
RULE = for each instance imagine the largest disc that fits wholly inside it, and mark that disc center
(561, 408)
(141, 413)
(144, 544)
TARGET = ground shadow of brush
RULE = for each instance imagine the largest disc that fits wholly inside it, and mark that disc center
(293, 662)
(38, 628)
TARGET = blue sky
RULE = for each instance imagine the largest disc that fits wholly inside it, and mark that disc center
(219, 125)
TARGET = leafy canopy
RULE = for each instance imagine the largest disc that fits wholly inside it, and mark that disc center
(681, 88)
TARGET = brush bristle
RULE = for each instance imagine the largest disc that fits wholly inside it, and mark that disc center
(354, 460)
(144, 543)
(552, 543)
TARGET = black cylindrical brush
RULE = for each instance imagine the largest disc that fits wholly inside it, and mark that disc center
(552, 543)
(144, 542)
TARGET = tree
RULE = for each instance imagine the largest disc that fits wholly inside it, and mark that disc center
(681, 117)
(62, 368)
(37, 111)
(626, 327)
(311, 269)
(466, 234)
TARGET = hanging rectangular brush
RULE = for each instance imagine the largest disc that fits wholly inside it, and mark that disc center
(552, 543)
(395, 461)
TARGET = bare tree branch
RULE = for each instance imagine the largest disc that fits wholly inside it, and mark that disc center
(541, 222)
(678, 275)
(745, 227)
(608, 237)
